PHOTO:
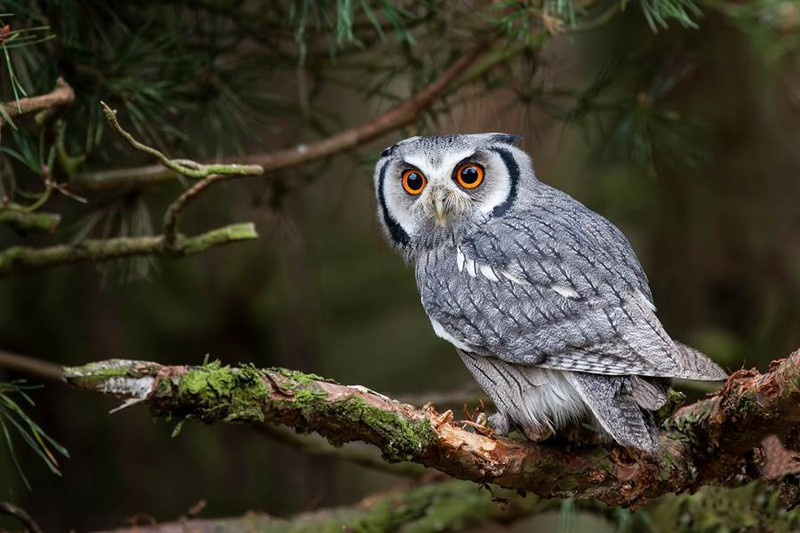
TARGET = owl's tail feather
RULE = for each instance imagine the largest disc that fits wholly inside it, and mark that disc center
(616, 409)
(697, 365)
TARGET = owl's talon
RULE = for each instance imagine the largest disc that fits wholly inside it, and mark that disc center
(537, 434)
(484, 430)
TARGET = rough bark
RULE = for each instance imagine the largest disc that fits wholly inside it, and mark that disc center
(713, 441)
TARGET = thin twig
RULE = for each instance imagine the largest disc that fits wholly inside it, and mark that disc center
(173, 213)
(31, 366)
(185, 167)
(9, 509)
(207, 173)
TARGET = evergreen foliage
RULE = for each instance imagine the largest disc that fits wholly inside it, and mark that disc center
(212, 80)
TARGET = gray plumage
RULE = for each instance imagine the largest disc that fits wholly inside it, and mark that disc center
(544, 299)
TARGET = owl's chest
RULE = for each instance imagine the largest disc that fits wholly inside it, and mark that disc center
(440, 283)
(464, 300)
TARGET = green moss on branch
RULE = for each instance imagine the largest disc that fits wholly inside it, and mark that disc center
(708, 442)
(26, 222)
(19, 259)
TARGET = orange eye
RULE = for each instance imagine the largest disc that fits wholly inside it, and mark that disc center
(469, 175)
(414, 181)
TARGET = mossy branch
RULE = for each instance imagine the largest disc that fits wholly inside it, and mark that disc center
(19, 259)
(25, 222)
(461, 506)
(190, 169)
(713, 441)
(443, 506)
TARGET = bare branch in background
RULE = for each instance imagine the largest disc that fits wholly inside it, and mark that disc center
(393, 119)
(443, 506)
(708, 442)
(31, 366)
(9, 509)
(24, 221)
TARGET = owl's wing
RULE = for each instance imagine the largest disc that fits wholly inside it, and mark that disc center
(554, 285)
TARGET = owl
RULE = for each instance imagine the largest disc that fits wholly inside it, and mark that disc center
(543, 299)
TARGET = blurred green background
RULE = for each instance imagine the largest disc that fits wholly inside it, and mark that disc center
(685, 138)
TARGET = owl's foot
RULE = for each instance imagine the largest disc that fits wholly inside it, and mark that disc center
(537, 434)
(479, 425)
(499, 423)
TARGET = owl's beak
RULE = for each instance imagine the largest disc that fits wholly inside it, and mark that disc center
(438, 202)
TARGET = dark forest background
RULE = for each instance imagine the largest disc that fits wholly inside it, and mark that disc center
(686, 136)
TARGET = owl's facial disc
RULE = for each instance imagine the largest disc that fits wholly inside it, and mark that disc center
(431, 187)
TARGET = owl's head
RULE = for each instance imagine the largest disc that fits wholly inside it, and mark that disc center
(430, 188)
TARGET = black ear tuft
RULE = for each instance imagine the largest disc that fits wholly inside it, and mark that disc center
(506, 138)
(388, 151)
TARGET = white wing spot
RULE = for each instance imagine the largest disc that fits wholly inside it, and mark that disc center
(471, 269)
(646, 301)
(566, 292)
(474, 268)
(511, 277)
(460, 259)
(440, 332)
(488, 272)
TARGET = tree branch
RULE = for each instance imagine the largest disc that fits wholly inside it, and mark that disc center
(24, 221)
(62, 95)
(313, 444)
(18, 259)
(31, 366)
(9, 509)
(395, 118)
(708, 442)
(444, 506)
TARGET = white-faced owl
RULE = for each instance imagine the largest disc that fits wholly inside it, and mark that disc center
(544, 299)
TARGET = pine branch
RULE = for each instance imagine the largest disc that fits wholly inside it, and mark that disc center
(19, 259)
(31, 366)
(708, 442)
(61, 96)
(393, 119)
(207, 173)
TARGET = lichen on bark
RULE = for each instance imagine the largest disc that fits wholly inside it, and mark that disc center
(717, 440)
